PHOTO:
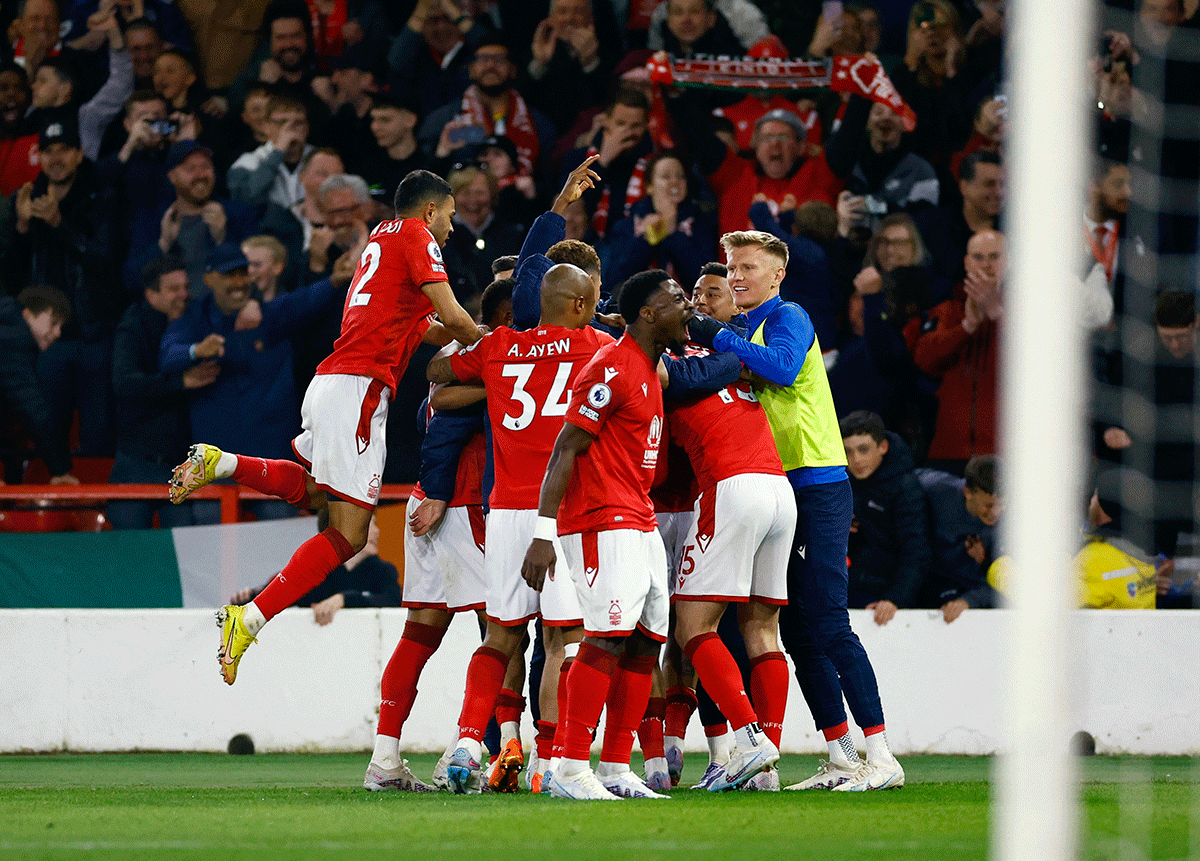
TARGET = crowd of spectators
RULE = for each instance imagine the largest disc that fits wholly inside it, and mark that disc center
(187, 190)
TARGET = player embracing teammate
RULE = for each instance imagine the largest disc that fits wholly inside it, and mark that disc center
(400, 281)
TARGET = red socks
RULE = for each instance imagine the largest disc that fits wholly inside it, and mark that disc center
(509, 706)
(628, 696)
(769, 680)
(282, 478)
(587, 684)
(650, 733)
(485, 678)
(398, 689)
(545, 740)
(310, 564)
(721, 676)
(681, 703)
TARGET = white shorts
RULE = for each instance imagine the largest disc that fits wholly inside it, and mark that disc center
(674, 527)
(739, 543)
(621, 578)
(344, 441)
(444, 568)
(510, 600)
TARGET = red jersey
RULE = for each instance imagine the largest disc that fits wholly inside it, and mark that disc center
(725, 434)
(675, 487)
(528, 377)
(383, 320)
(618, 400)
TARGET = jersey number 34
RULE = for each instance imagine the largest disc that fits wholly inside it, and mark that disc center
(557, 400)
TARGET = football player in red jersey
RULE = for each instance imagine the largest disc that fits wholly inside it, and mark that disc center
(736, 552)
(528, 377)
(443, 569)
(401, 280)
(600, 474)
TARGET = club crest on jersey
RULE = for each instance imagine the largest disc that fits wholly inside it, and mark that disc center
(650, 458)
(599, 395)
(434, 252)
(614, 613)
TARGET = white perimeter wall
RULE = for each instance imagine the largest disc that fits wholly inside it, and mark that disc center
(106, 680)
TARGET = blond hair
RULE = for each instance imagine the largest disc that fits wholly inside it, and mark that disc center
(269, 243)
(772, 245)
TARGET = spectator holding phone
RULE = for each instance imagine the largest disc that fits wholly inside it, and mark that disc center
(490, 106)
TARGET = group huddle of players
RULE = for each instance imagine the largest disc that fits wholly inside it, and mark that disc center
(721, 417)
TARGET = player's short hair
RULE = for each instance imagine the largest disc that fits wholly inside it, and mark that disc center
(153, 272)
(630, 98)
(1175, 309)
(506, 263)
(279, 102)
(773, 245)
(637, 290)
(576, 253)
(966, 170)
(418, 188)
(714, 268)
(983, 473)
(270, 244)
(863, 422)
(42, 297)
(495, 294)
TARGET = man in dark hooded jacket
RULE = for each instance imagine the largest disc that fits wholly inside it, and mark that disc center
(889, 540)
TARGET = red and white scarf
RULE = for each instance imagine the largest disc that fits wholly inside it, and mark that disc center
(327, 29)
(634, 191)
(858, 75)
(516, 124)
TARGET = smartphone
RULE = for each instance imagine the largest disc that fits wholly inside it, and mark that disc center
(467, 135)
(164, 127)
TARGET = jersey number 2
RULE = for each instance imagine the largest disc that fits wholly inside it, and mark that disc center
(556, 404)
(370, 257)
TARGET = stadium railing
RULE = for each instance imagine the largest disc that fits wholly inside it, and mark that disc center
(62, 497)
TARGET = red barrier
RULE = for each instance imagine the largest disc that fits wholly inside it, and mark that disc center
(59, 497)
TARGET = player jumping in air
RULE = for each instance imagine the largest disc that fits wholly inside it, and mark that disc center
(400, 281)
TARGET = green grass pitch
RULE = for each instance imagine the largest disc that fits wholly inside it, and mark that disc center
(192, 806)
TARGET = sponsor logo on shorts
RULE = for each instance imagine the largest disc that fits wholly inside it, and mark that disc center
(614, 612)
(590, 574)
(589, 413)
(373, 488)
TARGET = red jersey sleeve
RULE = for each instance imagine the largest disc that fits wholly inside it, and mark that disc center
(594, 396)
(422, 255)
(468, 363)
